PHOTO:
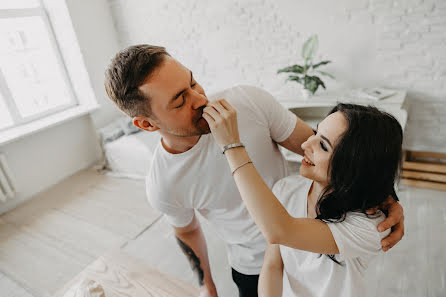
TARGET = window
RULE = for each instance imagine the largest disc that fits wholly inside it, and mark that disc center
(33, 79)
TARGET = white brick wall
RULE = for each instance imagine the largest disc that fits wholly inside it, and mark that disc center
(399, 44)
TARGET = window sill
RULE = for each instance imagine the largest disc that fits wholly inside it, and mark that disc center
(18, 132)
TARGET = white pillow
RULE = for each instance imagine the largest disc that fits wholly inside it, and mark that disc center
(126, 124)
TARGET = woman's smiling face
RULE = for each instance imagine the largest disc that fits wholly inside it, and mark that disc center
(319, 147)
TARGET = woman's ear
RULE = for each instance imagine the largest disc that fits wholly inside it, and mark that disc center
(145, 123)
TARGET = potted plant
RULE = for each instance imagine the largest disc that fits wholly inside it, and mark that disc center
(305, 74)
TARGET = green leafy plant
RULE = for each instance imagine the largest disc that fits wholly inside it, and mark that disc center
(305, 74)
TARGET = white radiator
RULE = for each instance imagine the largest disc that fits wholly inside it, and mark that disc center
(6, 183)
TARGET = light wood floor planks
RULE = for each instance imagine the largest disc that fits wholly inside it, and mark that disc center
(417, 265)
(47, 241)
(158, 247)
(11, 289)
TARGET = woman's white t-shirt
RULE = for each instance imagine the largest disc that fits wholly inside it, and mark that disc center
(310, 274)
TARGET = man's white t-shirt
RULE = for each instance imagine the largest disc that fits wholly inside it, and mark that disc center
(200, 178)
(307, 274)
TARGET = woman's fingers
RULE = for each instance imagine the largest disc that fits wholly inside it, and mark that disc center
(208, 119)
(210, 110)
(219, 112)
(220, 109)
(226, 105)
(223, 123)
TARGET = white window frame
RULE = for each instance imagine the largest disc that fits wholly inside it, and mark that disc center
(62, 36)
(17, 118)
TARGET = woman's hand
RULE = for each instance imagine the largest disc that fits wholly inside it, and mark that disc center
(222, 119)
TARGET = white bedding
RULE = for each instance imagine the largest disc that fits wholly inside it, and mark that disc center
(130, 156)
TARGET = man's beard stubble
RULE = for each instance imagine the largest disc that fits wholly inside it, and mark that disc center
(199, 124)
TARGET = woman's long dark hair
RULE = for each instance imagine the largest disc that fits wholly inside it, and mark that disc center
(364, 165)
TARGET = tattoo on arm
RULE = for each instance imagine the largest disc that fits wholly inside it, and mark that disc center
(193, 260)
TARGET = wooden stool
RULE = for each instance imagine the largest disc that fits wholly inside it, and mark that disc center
(424, 170)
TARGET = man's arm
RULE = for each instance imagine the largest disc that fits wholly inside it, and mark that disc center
(394, 220)
(193, 244)
(302, 131)
(270, 280)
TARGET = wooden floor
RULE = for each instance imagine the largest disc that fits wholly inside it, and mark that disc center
(47, 241)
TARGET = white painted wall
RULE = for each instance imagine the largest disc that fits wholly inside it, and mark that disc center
(392, 43)
(47, 157)
(98, 41)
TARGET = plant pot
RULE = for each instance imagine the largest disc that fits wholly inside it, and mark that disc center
(306, 93)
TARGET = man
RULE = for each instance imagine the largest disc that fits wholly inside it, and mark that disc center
(190, 174)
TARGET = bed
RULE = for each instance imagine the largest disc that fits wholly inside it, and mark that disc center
(127, 150)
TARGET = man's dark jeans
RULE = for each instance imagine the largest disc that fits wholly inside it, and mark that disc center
(247, 284)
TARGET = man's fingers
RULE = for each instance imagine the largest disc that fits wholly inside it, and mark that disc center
(388, 223)
(395, 216)
(388, 202)
(394, 237)
(372, 210)
(386, 248)
(395, 220)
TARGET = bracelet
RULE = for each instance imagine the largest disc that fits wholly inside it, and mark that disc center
(240, 166)
(232, 145)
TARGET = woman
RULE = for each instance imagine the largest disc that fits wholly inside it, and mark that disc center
(323, 232)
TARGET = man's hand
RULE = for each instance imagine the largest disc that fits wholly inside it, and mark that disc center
(208, 291)
(394, 220)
